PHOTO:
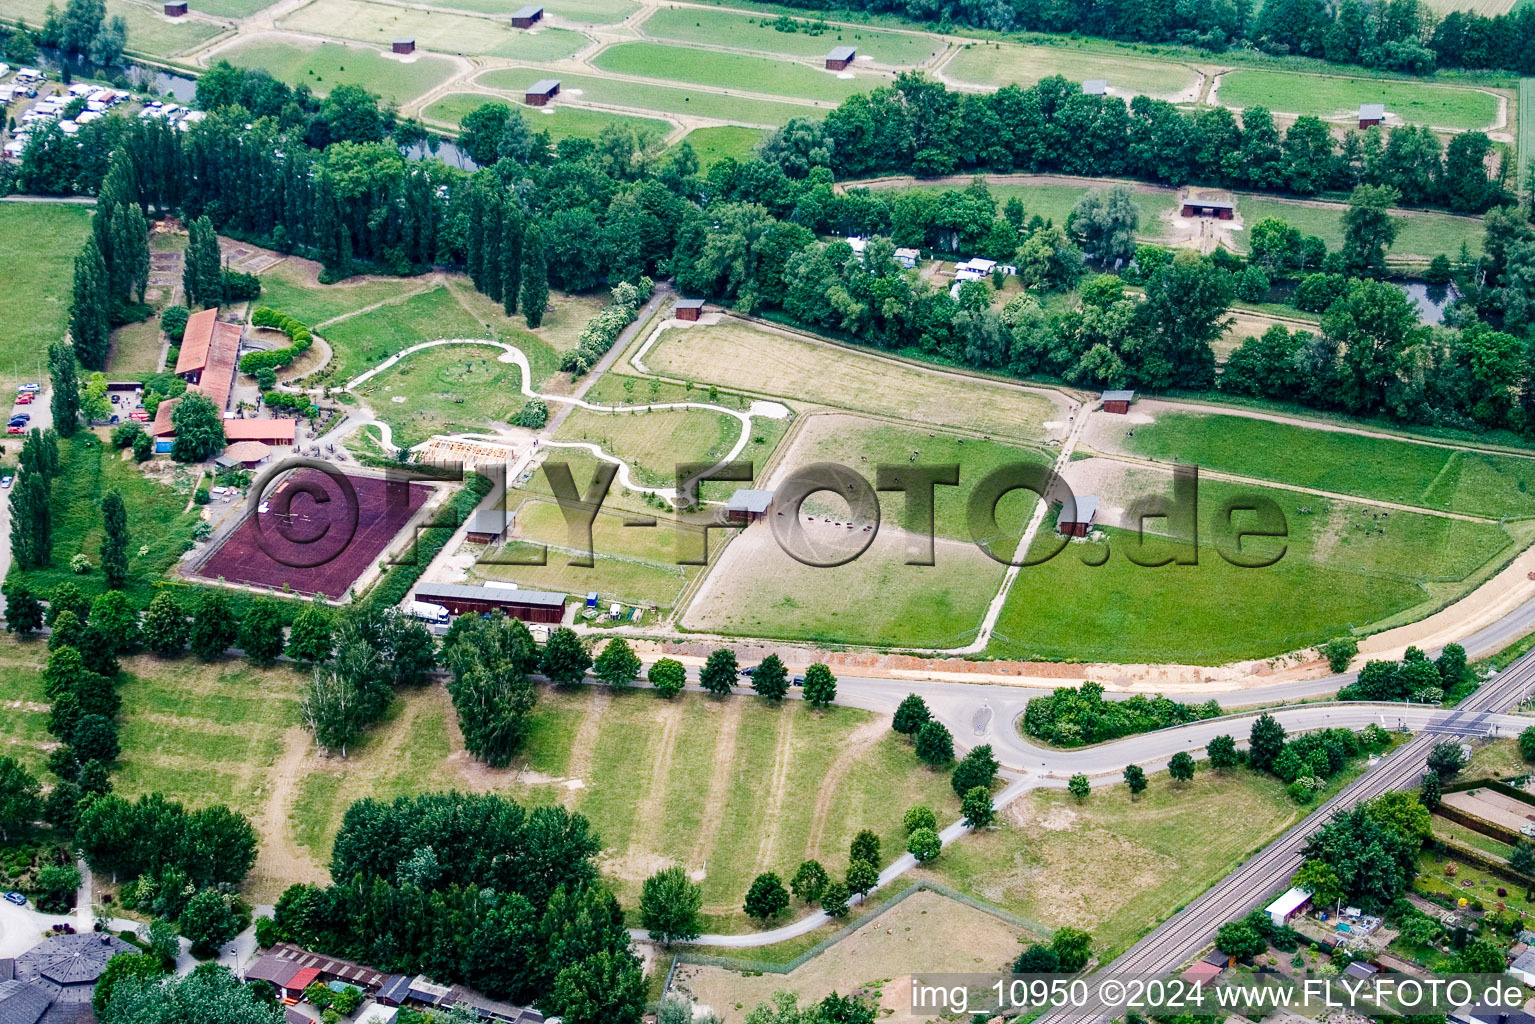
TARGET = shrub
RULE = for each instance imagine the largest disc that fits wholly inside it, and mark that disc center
(277, 358)
(532, 415)
(604, 328)
(174, 322)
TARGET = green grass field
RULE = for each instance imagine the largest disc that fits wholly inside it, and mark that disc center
(1343, 567)
(136, 348)
(24, 726)
(740, 31)
(451, 389)
(1116, 866)
(149, 32)
(1423, 233)
(730, 71)
(653, 443)
(737, 355)
(287, 288)
(560, 121)
(715, 144)
(405, 318)
(589, 12)
(1422, 475)
(630, 566)
(324, 66)
(38, 243)
(433, 30)
(1326, 96)
(157, 519)
(1055, 203)
(232, 9)
(729, 788)
(664, 99)
(998, 64)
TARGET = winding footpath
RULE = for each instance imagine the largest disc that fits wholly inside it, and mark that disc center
(512, 354)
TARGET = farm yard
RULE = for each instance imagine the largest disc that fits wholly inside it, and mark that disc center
(559, 120)
(1439, 106)
(445, 33)
(993, 65)
(732, 71)
(659, 98)
(1426, 476)
(763, 361)
(741, 31)
(324, 66)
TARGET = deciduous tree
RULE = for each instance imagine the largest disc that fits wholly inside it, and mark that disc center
(669, 905)
(820, 686)
(770, 679)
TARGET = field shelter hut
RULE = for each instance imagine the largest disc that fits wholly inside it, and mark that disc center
(1118, 402)
(175, 8)
(404, 45)
(840, 57)
(688, 309)
(1082, 520)
(527, 17)
(542, 91)
(1371, 114)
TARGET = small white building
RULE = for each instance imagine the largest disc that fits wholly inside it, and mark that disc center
(1287, 906)
(907, 258)
(858, 245)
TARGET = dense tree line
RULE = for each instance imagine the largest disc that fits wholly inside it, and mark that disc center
(1073, 716)
(1415, 678)
(211, 846)
(474, 889)
(31, 511)
(1397, 35)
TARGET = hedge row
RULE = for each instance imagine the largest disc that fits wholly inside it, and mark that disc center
(604, 328)
(296, 330)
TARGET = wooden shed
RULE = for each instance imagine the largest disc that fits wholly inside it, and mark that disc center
(487, 525)
(542, 91)
(748, 506)
(1118, 402)
(527, 17)
(175, 8)
(1371, 114)
(527, 605)
(1205, 206)
(1082, 520)
(688, 309)
(403, 45)
(840, 57)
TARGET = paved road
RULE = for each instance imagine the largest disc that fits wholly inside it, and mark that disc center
(1191, 929)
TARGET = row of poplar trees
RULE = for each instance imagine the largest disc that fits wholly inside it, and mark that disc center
(112, 268)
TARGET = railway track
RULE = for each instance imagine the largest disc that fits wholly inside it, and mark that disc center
(1188, 931)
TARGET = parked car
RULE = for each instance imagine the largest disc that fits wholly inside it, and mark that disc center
(25, 399)
(15, 429)
(33, 386)
(23, 417)
(799, 680)
(16, 898)
(138, 414)
(748, 670)
(5, 481)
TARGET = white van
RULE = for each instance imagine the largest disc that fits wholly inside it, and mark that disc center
(428, 611)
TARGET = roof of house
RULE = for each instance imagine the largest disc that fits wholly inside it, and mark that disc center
(1372, 111)
(492, 1008)
(1360, 969)
(1203, 971)
(544, 87)
(842, 53)
(1210, 204)
(248, 451)
(293, 1015)
(219, 371)
(690, 303)
(1087, 508)
(21, 1003)
(278, 970)
(376, 1013)
(1524, 962)
(195, 340)
(395, 988)
(541, 598)
(530, 11)
(270, 428)
(405, 39)
(908, 252)
(68, 960)
(746, 500)
(1119, 396)
(489, 520)
(1095, 86)
(303, 978)
(1290, 902)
